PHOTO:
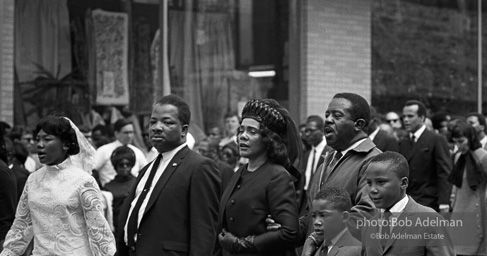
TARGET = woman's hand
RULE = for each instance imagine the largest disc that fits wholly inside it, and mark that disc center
(234, 244)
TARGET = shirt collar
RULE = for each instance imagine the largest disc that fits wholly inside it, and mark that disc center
(321, 146)
(418, 133)
(398, 208)
(374, 133)
(168, 155)
(354, 145)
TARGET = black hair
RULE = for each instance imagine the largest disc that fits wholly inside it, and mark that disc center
(479, 116)
(438, 118)
(463, 128)
(278, 130)
(320, 123)
(121, 153)
(397, 163)
(104, 130)
(20, 152)
(60, 127)
(338, 197)
(359, 107)
(184, 114)
(120, 123)
(421, 106)
(276, 146)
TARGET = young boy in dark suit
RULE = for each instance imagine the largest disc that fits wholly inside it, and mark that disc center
(330, 213)
(387, 180)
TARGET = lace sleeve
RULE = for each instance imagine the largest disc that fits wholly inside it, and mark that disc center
(21, 233)
(99, 233)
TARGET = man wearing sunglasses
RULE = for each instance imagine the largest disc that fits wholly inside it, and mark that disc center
(394, 120)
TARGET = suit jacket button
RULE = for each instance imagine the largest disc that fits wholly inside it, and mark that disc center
(238, 186)
(231, 219)
(233, 201)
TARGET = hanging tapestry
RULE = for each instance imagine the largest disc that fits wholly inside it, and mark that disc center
(111, 47)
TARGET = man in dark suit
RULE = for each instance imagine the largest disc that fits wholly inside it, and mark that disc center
(314, 135)
(428, 157)
(21, 174)
(8, 193)
(173, 207)
(382, 140)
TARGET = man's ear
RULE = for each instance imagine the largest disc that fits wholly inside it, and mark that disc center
(359, 124)
(345, 217)
(184, 130)
(404, 183)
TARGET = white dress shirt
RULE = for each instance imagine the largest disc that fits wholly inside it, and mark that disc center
(166, 159)
(318, 150)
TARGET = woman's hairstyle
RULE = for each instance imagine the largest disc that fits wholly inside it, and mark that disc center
(279, 132)
(121, 153)
(60, 127)
(463, 128)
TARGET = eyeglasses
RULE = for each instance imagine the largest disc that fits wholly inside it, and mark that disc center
(122, 164)
(308, 130)
(392, 120)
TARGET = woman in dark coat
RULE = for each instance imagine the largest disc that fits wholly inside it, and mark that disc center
(469, 178)
(268, 137)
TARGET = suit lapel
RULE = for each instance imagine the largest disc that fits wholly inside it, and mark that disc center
(407, 212)
(418, 145)
(170, 169)
(325, 170)
(344, 240)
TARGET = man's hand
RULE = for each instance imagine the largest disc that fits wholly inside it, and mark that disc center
(227, 240)
(311, 244)
(271, 224)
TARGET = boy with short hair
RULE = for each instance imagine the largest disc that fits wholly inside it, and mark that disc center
(387, 180)
(330, 213)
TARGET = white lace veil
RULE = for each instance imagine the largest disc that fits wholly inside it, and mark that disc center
(85, 159)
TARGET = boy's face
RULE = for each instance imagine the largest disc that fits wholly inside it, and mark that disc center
(327, 221)
(385, 187)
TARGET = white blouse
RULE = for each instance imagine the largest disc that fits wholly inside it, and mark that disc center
(60, 208)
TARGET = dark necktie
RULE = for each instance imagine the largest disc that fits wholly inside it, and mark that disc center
(330, 167)
(134, 216)
(385, 229)
(313, 162)
(413, 138)
(324, 248)
(337, 157)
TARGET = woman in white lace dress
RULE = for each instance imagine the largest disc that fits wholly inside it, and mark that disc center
(60, 206)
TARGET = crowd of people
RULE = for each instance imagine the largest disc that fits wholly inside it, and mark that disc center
(259, 185)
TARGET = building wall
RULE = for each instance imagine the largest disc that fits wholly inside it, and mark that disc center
(336, 52)
(7, 61)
